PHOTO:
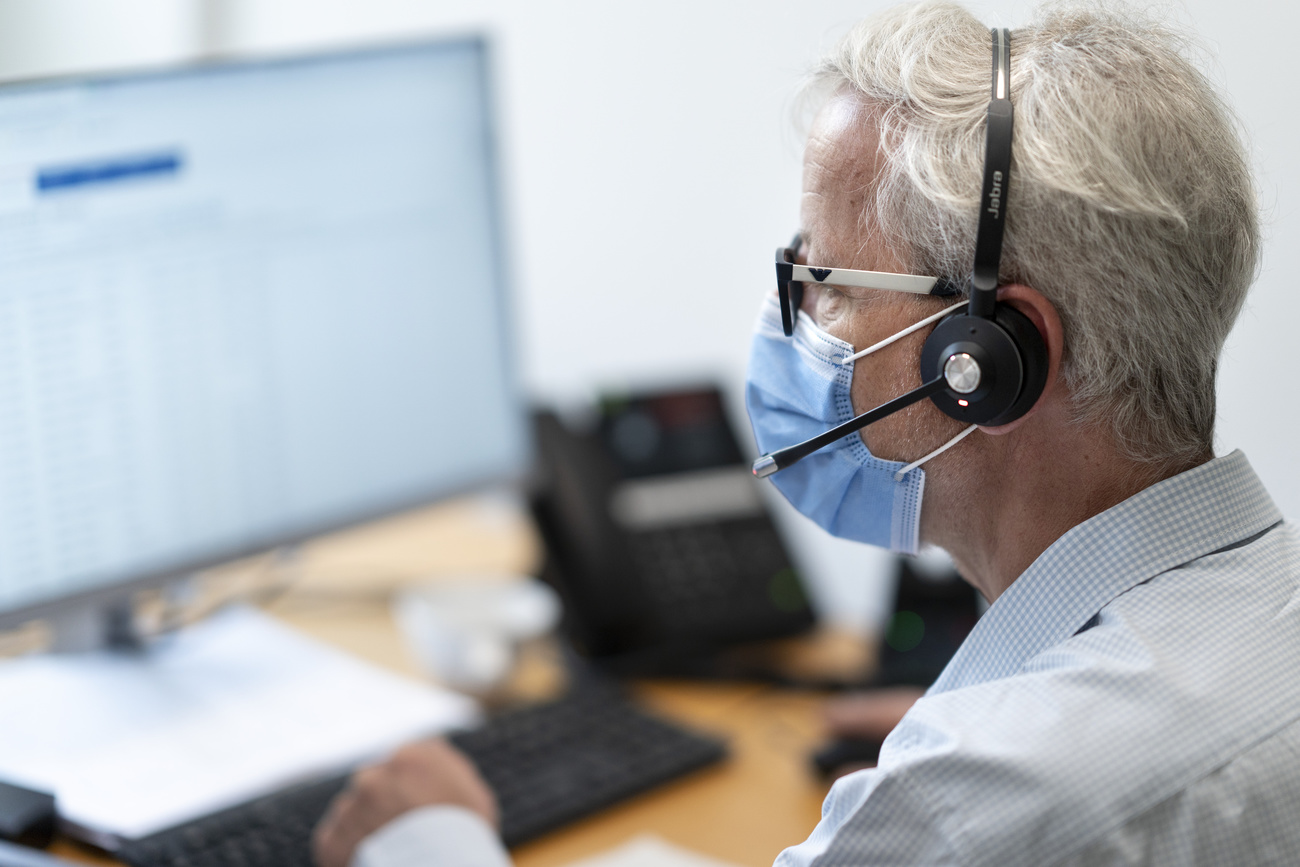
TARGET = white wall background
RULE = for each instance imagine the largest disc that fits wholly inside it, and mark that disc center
(652, 167)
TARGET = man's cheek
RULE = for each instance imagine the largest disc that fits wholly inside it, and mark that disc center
(839, 323)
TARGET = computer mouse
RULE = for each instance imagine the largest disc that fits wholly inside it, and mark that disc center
(845, 753)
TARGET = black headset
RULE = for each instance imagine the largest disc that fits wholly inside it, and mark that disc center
(991, 357)
(987, 364)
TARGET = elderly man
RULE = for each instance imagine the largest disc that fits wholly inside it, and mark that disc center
(1130, 696)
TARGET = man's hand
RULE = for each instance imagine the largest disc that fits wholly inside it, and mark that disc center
(871, 714)
(419, 774)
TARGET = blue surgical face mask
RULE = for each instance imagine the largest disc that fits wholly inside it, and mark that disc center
(800, 386)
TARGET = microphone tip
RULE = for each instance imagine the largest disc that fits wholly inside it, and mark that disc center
(765, 466)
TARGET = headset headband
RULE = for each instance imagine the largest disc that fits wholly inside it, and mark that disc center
(997, 180)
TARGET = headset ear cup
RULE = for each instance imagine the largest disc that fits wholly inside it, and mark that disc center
(1033, 358)
(1012, 358)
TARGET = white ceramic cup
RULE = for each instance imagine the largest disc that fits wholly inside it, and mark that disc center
(465, 631)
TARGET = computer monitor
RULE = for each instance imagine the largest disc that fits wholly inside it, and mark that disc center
(242, 304)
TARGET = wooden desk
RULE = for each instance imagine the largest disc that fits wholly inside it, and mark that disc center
(745, 811)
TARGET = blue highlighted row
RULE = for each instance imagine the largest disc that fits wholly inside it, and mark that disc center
(107, 171)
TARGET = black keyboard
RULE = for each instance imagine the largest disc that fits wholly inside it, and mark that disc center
(548, 764)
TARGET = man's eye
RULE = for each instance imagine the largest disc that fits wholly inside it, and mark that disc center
(833, 298)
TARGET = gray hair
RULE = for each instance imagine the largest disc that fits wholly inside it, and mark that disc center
(1131, 204)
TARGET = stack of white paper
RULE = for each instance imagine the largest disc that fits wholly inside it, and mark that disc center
(223, 711)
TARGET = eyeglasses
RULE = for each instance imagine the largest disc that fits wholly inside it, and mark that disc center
(790, 278)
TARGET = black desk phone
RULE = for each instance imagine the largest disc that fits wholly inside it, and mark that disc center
(656, 535)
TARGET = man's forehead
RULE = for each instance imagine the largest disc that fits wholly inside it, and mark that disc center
(840, 166)
(843, 115)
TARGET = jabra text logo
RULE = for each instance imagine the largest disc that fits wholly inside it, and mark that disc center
(995, 196)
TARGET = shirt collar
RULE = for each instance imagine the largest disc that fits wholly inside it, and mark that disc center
(1168, 524)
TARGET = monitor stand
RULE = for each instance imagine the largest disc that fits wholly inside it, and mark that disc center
(109, 620)
(94, 625)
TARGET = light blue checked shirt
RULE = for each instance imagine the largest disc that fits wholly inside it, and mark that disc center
(1133, 698)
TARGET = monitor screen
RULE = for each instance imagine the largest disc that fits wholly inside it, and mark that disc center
(242, 304)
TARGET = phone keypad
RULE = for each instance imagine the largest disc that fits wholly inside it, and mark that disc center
(726, 579)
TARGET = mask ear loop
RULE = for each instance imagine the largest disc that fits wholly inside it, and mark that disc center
(849, 359)
(898, 476)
